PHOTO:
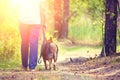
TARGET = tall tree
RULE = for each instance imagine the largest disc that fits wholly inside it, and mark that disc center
(58, 18)
(65, 19)
(109, 47)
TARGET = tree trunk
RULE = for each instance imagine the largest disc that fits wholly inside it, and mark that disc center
(58, 18)
(110, 28)
(65, 19)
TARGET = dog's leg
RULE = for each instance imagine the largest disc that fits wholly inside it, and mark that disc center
(55, 60)
(45, 64)
(54, 65)
(50, 62)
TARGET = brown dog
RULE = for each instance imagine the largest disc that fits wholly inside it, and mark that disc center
(49, 52)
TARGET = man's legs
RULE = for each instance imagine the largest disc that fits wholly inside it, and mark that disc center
(24, 31)
(34, 37)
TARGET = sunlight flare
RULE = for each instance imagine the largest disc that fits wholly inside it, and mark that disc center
(15, 2)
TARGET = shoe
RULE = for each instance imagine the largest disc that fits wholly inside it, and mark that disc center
(32, 70)
(24, 68)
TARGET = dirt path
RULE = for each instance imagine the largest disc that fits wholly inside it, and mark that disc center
(99, 69)
(78, 69)
(42, 75)
(71, 68)
(67, 71)
(62, 73)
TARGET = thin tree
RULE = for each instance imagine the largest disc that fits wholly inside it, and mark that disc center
(65, 18)
(58, 18)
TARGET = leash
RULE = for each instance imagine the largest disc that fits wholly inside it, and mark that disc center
(44, 40)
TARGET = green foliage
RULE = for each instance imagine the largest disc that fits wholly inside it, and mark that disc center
(87, 21)
(82, 24)
(96, 8)
(9, 34)
(6, 65)
(85, 25)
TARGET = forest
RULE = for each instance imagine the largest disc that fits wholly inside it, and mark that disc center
(80, 28)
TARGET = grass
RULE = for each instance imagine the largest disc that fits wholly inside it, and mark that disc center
(118, 48)
(9, 65)
(64, 51)
(84, 30)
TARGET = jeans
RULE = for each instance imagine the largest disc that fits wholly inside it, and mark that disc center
(29, 44)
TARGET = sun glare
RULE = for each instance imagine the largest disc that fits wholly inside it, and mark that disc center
(15, 2)
(18, 1)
